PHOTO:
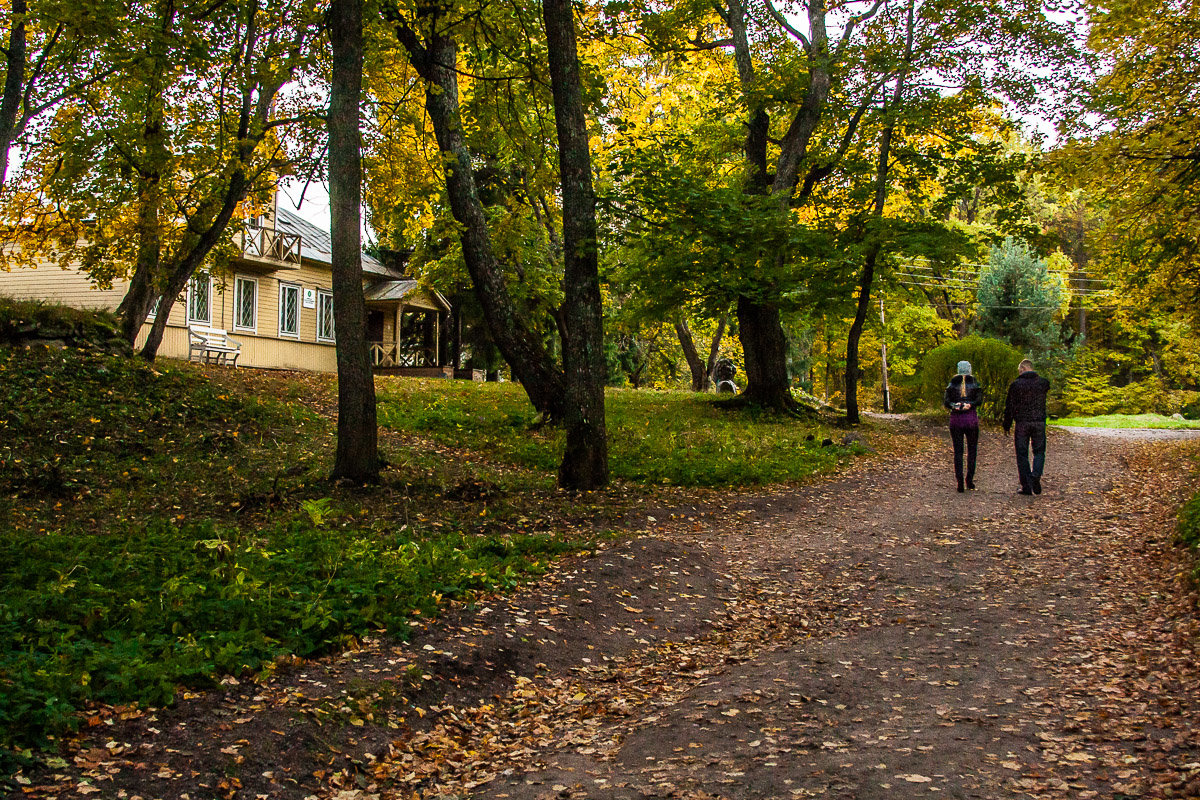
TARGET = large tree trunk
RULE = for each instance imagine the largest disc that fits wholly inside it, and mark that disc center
(585, 460)
(357, 456)
(764, 343)
(765, 348)
(436, 61)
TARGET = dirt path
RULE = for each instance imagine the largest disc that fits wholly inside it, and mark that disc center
(896, 639)
(873, 636)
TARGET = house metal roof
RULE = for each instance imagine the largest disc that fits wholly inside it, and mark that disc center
(402, 290)
(317, 245)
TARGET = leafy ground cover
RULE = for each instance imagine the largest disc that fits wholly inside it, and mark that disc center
(164, 526)
(677, 438)
(1129, 421)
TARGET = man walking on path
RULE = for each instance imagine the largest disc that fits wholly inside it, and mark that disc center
(1026, 406)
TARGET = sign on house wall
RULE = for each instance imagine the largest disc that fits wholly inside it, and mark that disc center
(310, 298)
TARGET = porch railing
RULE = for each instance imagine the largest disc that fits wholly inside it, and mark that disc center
(393, 354)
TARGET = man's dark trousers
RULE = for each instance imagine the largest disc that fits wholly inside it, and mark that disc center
(1030, 434)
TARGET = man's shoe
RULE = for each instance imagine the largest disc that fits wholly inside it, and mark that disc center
(1025, 491)
(1037, 485)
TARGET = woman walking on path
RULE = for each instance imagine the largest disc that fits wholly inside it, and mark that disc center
(961, 397)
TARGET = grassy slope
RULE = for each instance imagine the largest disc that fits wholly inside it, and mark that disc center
(678, 438)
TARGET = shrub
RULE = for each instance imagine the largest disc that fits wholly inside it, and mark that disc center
(1191, 408)
(993, 362)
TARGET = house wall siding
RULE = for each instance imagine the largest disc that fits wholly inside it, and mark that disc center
(71, 287)
(260, 348)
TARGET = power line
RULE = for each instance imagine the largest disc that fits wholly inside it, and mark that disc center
(936, 282)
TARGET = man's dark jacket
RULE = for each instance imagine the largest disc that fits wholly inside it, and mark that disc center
(1026, 401)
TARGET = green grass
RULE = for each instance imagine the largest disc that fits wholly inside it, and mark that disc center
(658, 438)
(130, 614)
(1129, 421)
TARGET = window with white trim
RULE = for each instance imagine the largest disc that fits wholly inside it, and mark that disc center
(289, 310)
(154, 307)
(199, 299)
(324, 316)
(245, 304)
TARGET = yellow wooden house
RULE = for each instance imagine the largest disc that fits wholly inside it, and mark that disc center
(276, 300)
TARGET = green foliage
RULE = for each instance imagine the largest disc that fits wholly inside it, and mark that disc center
(1089, 389)
(698, 237)
(912, 331)
(676, 438)
(24, 320)
(1018, 298)
(130, 614)
(994, 364)
(1139, 155)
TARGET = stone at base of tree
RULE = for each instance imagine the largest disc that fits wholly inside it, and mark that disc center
(724, 371)
(851, 438)
(1177, 415)
(727, 387)
(827, 442)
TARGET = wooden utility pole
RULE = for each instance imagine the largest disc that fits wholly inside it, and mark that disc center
(887, 394)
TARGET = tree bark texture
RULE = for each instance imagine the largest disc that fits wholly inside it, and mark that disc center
(765, 349)
(357, 456)
(700, 375)
(883, 361)
(140, 295)
(585, 459)
(714, 349)
(14, 83)
(436, 62)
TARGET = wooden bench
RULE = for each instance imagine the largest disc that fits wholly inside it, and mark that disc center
(212, 346)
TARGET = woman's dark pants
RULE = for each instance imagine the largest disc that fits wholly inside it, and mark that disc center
(969, 436)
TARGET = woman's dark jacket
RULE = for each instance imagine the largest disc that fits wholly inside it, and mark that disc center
(955, 393)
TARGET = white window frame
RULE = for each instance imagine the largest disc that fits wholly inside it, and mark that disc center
(237, 304)
(323, 296)
(191, 306)
(154, 307)
(284, 288)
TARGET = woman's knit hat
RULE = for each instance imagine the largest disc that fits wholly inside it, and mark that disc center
(964, 368)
